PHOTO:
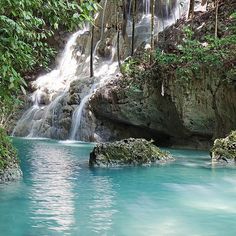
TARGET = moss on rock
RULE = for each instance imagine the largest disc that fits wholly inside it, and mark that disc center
(127, 152)
(9, 163)
(224, 149)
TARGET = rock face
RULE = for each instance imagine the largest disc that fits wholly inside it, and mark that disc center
(224, 150)
(127, 152)
(188, 113)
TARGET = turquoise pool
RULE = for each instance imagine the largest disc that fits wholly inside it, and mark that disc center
(60, 195)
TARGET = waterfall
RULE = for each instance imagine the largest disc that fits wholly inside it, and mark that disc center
(104, 70)
(77, 114)
(50, 88)
(103, 74)
(53, 90)
(147, 7)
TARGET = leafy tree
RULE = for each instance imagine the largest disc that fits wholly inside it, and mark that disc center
(8, 153)
(152, 25)
(194, 56)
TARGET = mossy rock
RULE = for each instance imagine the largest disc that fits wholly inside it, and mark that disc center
(224, 149)
(127, 152)
(9, 163)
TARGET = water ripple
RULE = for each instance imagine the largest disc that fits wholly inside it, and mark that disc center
(52, 195)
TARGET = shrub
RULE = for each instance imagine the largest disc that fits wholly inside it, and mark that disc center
(8, 155)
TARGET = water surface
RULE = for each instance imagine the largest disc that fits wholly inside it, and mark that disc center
(61, 195)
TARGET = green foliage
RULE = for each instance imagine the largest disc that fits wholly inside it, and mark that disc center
(7, 109)
(193, 56)
(8, 155)
(129, 66)
(137, 66)
(25, 27)
(233, 15)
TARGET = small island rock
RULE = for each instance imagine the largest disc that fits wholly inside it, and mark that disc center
(127, 152)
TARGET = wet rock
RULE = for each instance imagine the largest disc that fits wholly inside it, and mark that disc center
(127, 152)
(224, 149)
(65, 123)
(74, 99)
(45, 98)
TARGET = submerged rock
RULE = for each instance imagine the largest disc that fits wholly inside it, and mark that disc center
(127, 152)
(224, 150)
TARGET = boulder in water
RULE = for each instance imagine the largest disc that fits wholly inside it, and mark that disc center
(224, 149)
(127, 152)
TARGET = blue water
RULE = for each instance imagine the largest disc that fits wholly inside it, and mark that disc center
(61, 195)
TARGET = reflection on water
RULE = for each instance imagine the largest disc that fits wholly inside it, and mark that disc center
(52, 194)
(102, 206)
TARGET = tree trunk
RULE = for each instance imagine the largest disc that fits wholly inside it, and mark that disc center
(191, 9)
(133, 24)
(118, 35)
(152, 27)
(91, 52)
(216, 20)
(118, 48)
(125, 18)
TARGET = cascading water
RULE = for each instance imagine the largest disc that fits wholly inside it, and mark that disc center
(147, 7)
(77, 114)
(53, 95)
(104, 73)
(50, 89)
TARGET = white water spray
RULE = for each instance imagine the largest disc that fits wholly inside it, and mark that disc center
(49, 89)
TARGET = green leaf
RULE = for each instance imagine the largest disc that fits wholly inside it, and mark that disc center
(56, 25)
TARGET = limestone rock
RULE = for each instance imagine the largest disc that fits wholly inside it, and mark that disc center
(127, 152)
(224, 150)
